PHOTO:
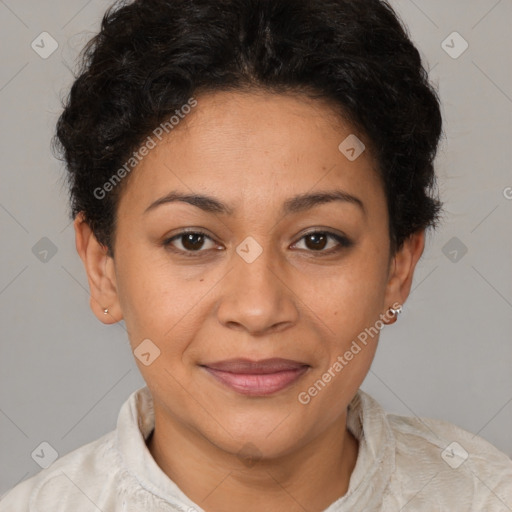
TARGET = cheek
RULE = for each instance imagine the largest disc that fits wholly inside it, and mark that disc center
(351, 313)
(351, 309)
(163, 307)
(347, 298)
(148, 296)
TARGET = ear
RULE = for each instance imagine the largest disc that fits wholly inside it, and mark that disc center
(401, 269)
(100, 273)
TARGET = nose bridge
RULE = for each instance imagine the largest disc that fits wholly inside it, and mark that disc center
(256, 264)
(256, 297)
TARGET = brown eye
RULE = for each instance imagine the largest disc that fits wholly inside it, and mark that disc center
(190, 241)
(317, 241)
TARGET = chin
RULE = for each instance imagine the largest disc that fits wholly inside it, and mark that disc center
(263, 438)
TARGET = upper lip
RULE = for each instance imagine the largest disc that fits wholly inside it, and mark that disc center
(263, 366)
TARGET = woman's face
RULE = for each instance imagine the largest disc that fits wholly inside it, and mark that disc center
(268, 279)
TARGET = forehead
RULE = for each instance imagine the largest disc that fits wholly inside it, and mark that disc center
(253, 150)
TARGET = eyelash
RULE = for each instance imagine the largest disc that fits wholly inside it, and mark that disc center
(344, 243)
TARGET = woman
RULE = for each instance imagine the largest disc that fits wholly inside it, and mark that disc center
(251, 183)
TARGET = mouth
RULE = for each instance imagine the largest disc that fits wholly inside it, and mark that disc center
(257, 378)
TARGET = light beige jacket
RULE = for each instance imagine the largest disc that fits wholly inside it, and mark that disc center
(404, 464)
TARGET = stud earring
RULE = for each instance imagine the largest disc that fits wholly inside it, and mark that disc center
(105, 311)
(395, 312)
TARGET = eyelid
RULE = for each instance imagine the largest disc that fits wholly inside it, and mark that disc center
(344, 242)
(325, 231)
(195, 231)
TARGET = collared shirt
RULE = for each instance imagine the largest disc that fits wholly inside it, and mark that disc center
(403, 464)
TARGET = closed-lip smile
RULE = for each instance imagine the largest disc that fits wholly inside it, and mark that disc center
(256, 378)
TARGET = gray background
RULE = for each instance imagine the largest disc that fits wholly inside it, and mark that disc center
(64, 375)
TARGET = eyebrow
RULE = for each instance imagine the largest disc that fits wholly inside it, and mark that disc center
(296, 204)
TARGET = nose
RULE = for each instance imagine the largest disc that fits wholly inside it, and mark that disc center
(257, 296)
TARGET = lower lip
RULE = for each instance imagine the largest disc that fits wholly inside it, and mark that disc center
(260, 384)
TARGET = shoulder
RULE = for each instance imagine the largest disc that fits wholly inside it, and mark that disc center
(443, 461)
(90, 467)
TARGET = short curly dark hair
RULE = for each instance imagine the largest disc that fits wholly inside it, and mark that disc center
(151, 56)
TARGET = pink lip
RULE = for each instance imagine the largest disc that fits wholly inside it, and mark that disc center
(256, 378)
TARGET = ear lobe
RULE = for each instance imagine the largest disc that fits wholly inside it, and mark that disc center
(100, 272)
(402, 268)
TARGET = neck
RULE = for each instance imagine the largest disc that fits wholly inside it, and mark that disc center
(309, 478)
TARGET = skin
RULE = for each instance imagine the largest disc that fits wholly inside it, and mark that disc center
(251, 151)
